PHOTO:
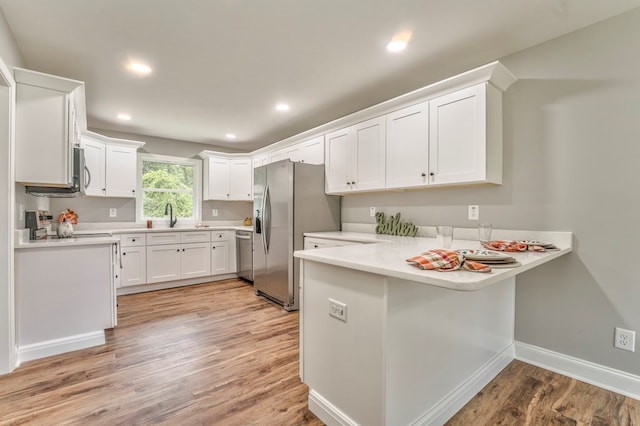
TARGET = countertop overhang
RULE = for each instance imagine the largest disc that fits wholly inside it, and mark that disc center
(387, 256)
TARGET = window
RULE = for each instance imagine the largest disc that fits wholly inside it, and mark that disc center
(163, 179)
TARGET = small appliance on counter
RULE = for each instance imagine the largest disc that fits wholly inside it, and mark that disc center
(36, 221)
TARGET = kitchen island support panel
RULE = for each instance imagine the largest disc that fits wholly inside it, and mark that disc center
(409, 353)
(65, 298)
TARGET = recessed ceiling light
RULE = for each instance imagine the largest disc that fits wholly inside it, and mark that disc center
(399, 42)
(230, 136)
(139, 68)
(124, 117)
(282, 107)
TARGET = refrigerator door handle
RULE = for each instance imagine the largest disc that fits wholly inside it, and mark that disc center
(266, 217)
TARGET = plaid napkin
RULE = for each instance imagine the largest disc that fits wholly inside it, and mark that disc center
(446, 261)
(512, 246)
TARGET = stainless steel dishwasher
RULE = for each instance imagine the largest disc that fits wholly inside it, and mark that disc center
(244, 254)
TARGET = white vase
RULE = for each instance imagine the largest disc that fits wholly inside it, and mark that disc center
(65, 230)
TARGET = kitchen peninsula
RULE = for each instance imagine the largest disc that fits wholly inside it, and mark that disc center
(412, 346)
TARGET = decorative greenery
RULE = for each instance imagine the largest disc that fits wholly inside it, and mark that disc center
(164, 183)
(394, 227)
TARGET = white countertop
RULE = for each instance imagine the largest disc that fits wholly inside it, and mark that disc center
(389, 257)
(22, 241)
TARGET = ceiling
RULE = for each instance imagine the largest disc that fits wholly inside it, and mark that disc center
(220, 66)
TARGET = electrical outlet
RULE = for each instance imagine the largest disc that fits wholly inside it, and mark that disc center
(214, 212)
(338, 310)
(113, 212)
(474, 212)
(372, 211)
(625, 339)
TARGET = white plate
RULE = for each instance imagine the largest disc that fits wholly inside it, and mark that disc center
(536, 243)
(481, 255)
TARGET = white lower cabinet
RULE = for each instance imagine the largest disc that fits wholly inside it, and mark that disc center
(134, 266)
(195, 260)
(219, 257)
(156, 257)
(163, 263)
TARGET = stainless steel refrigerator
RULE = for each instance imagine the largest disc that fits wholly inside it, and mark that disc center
(288, 200)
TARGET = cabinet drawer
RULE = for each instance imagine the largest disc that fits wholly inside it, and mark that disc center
(155, 239)
(194, 237)
(220, 235)
(133, 240)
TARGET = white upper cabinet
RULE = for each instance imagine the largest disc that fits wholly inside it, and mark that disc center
(227, 177)
(408, 147)
(240, 179)
(95, 154)
(355, 157)
(111, 165)
(310, 151)
(448, 133)
(465, 136)
(121, 171)
(50, 114)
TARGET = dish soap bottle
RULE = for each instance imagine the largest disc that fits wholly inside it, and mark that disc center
(65, 230)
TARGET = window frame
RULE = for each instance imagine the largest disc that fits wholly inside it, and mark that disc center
(182, 161)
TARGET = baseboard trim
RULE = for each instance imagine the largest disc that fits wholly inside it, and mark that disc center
(327, 412)
(595, 374)
(58, 346)
(134, 289)
(458, 398)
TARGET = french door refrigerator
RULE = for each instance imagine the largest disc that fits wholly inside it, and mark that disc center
(288, 200)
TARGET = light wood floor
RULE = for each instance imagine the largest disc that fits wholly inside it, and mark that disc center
(215, 354)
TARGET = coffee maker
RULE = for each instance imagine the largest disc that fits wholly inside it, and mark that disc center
(36, 221)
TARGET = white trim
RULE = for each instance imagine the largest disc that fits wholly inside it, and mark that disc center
(595, 374)
(441, 411)
(458, 398)
(133, 289)
(197, 183)
(8, 349)
(58, 346)
(327, 412)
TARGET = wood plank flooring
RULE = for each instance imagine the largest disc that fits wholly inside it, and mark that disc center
(207, 354)
(215, 354)
(523, 394)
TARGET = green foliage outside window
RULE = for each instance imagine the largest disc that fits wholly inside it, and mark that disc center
(164, 183)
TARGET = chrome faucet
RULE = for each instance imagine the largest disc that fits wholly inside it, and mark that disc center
(168, 209)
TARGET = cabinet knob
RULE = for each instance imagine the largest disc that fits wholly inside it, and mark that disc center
(133, 190)
(432, 174)
(182, 249)
(315, 246)
(214, 247)
(348, 183)
(133, 240)
(178, 250)
(124, 254)
(423, 174)
(104, 189)
(353, 183)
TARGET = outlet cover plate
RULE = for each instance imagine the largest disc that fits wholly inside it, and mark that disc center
(113, 212)
(625, 339)
(474, 212)
(338, 310)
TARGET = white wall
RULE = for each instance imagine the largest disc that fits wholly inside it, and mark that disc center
(571, 163)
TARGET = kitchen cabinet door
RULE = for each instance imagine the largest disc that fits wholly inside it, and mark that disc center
(134, 266)
(368, 157)
(408, 147)
(219, 257)
(195, 260)
(163, 263)
(121, 171)
(458, 135)
(311, 151)
(240, 180)
(338, 158)
(218, 179)
(95, 159)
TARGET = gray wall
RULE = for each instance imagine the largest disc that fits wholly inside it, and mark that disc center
(95, 209)
(571, 151)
